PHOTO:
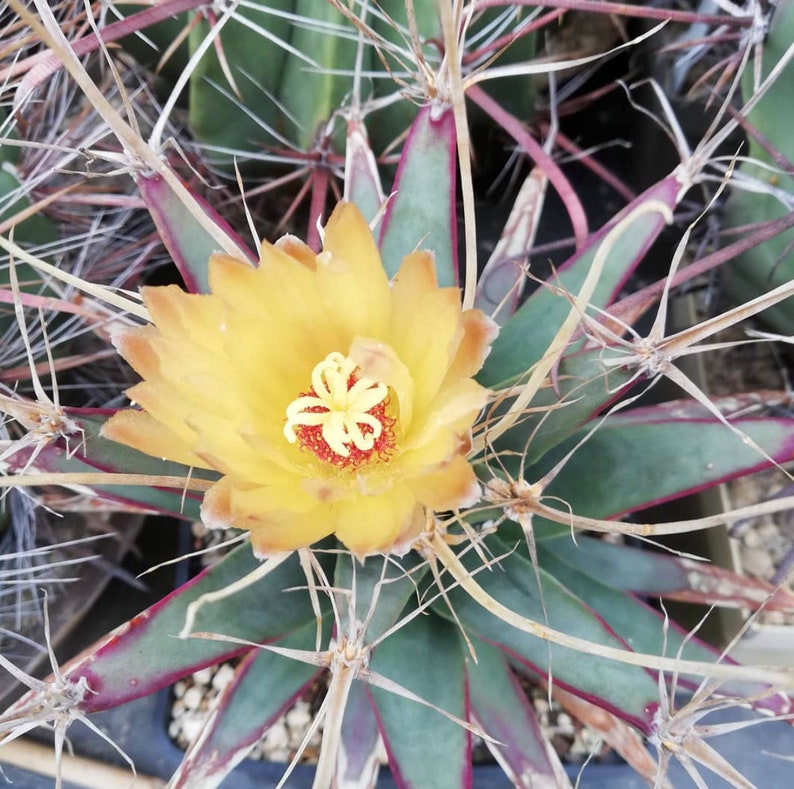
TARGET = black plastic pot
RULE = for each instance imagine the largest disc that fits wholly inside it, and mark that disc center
(140, 727)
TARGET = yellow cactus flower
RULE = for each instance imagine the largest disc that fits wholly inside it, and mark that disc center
(331, 400)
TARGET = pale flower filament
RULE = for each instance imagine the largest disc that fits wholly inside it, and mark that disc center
(341, 409)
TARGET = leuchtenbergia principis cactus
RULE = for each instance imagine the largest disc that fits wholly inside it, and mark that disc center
(418, 472)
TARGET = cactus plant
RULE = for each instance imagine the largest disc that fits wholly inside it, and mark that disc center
(415, 493)
(765, 189)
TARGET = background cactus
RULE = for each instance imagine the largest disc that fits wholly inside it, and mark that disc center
(557, 451)
(766, 181)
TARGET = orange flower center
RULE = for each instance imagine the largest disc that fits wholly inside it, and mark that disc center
(342, 419)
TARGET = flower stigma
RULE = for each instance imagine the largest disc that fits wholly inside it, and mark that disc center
(342, 419)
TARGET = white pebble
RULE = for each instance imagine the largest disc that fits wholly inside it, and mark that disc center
(298, 718)
(198, 529)
(276, 737)
(578, 747)
(758, 562)
(774, 617)
(751, 538)
(564, 723)
(768, 531)
(192, 697)
(223, 676)
(203, 676)
(179, 688)
(192, 726)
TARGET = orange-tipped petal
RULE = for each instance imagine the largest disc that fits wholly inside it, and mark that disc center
(178, 314)
(135, 344)
(297, 249)
(139, 430)
(230, 505)
(479, 331)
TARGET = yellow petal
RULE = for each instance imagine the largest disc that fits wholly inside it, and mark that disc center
(135, 345)
(373, 524)
(299, 531)
(456, 407)
(378, 361)
(277, 318)
(224, 447)
(296, 248)
(179, 315)
(141, 431)
(436, 447)
(246, 502)
(479, 331)
(425, 325)
(291, 304)
(350, 274)
(452, 486)
(249, 289)
(161, 404)
(228, 505)
(347, 236)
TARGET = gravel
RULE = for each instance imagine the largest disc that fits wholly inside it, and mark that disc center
(195, 697)
(766, 543)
